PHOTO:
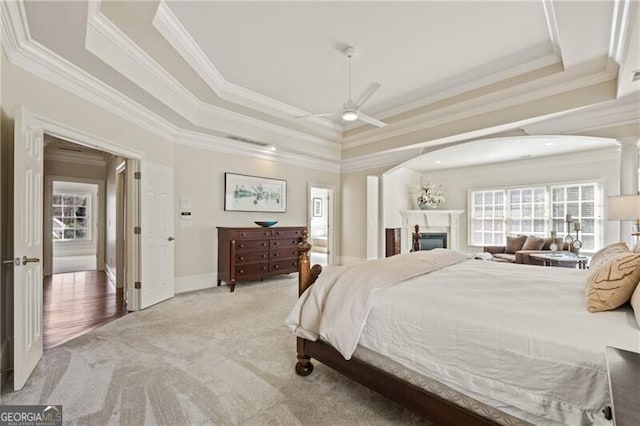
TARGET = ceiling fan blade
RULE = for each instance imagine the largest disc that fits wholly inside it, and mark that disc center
(368, 119)
(325, 114)
(367, 94)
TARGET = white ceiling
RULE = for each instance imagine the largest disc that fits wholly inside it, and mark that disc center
(499, 150)
(291, 52)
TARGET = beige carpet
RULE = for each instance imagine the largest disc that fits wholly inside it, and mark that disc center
(208, 357)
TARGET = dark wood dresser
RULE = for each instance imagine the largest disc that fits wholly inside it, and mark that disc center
(249, 254)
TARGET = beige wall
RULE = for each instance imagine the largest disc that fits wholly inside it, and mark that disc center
(599, 165)
(354, 215)
(199, 175)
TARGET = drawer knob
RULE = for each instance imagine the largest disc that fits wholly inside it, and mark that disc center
(242, 234)
(264, 244)
(241, 245)
(241, 257)
(275, 254)
(241, 271)
(276, 266)
(264, 268)
(264, 255)
(293, 263)
(275, 243)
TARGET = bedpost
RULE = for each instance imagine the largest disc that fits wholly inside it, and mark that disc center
(304, 271)
(306, 277)
(416, 239)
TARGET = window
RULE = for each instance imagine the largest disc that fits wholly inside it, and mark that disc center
(536, 210)
(487, 218)
(581, 202)
(71, 216)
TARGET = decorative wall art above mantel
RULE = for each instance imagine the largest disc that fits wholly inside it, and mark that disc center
(246, 193)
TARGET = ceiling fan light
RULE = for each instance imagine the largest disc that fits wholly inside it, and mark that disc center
(349, 115)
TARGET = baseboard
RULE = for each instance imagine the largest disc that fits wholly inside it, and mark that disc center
(111, 274)
(195, 282)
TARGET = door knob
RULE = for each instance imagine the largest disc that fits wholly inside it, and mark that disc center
(26, 260)
(11, 261)
(170, 239)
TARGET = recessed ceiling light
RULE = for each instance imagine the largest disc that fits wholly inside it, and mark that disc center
(549, 143)
(438, 161)
(270, 147)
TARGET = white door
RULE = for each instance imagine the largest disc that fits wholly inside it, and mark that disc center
(156, 211)
(27, 246)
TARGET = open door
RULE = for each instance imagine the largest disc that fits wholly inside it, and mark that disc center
(156, 211)
(27, 246)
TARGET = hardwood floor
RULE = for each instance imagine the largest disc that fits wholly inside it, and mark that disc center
(76, 303)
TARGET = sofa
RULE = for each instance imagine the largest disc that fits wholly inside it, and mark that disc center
(519, 249)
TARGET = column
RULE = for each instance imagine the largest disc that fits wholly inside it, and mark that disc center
(628, 180)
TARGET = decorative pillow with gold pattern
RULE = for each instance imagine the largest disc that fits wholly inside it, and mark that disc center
(612, 283)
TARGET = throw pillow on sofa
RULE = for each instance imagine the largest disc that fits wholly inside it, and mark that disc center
(515, 243)
(533, 243)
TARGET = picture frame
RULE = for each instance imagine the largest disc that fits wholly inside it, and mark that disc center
(317, 207)
(246, 193)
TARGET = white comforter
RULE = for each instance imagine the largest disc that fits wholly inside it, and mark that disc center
(516, 337)
(337, 306)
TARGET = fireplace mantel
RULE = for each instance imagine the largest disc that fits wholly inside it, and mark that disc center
(431, 221)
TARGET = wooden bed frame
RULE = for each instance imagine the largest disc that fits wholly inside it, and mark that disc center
(406, 394)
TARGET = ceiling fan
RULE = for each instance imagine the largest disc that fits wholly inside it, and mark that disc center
(351, 110)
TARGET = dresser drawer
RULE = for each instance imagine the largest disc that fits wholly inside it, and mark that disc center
(285, 243)
(293, 233)
(246, 245)
(289, 265)
(251, 269)
(250, 234)
(252, 257)
(284, 253)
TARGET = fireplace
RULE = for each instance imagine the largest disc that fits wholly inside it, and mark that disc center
(431, 240)
(443, 224)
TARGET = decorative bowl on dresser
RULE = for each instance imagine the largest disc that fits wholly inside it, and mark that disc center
(249, 254)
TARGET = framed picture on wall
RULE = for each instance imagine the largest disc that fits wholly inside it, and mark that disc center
(317, 207)
(244, 193)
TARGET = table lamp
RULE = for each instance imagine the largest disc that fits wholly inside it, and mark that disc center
(625, 208)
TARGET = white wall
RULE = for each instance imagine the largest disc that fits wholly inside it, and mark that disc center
(398, 194)
(589, 165)
(199, 175)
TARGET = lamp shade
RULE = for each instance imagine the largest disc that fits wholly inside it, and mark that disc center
(624, 207)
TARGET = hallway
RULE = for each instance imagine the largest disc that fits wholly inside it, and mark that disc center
(76, 303)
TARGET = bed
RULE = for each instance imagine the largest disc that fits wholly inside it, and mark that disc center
(467, 341)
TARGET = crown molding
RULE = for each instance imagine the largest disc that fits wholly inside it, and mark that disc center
(377, 160)
(76, 158)
(105, 40)
(606, 115)
(619, 23)
(552, 26)
(174, 32)
(222, 145)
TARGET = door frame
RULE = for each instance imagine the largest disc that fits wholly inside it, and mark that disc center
(133, 158)
(48, 241)
(331, 208)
